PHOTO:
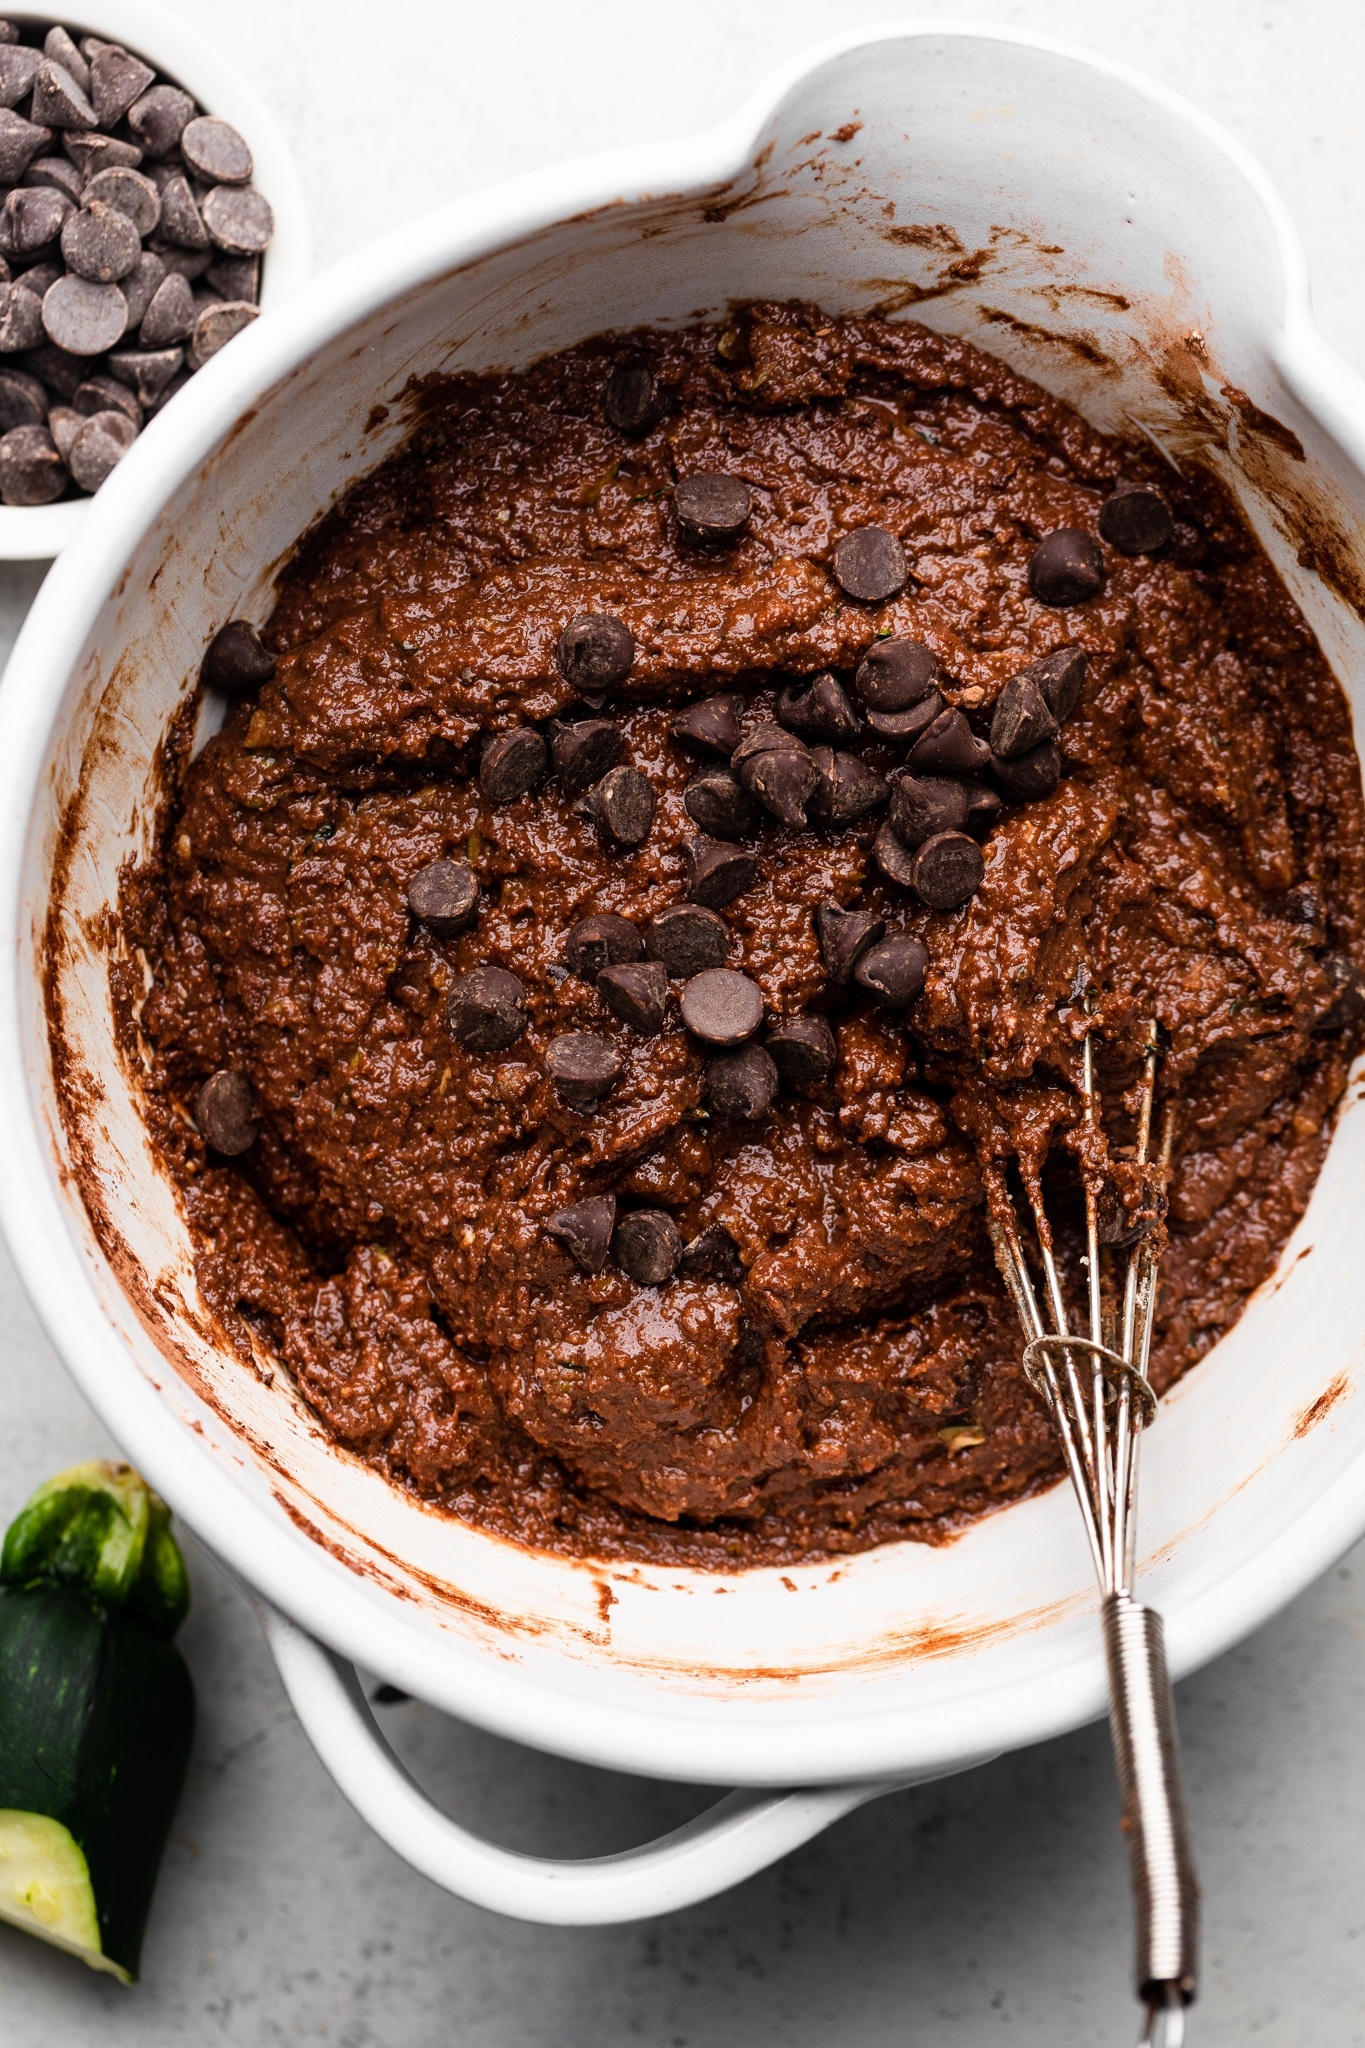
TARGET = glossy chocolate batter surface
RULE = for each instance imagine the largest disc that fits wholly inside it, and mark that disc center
(799, 1345)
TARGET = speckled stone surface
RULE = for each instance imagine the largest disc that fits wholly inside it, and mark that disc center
(990, 1908)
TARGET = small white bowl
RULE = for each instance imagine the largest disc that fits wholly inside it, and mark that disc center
(35, 533)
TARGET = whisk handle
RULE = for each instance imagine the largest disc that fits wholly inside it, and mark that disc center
(1147, 1757)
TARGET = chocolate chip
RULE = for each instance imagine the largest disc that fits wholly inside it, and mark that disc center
(190, 263)
(1136, 519)
(893, 857)
(39, 278)
(1189, 546)
(905, 727)
(647, 1246)
(893, 971)
(712, 1255)
(844, 937)
(64, 423)
(237, 659)
(742, 1083)
(637, 992)
(716, 801)
(214, 327)
(584, 1231)
(164, 397)
(870, 565)
(782, 777)
(765, 736)
(169, 317)
(894, 674)
(31, 218)
(603, 941)
(99, 447)
(59, 174)
(238, 218)
(1347, 985)
(984, 808)
(215, 150)
(1034, 775)
(116, 80)
(595, 652)
(1021, 720)
(31, 470)
(444, 896)
(722, 1007)
(149, 371)
(948, 869)
(583, 753)
(486, 1009)
(817, 708)
(181, 220)
(158, 118)
(133, 195)
(922, 805)
(1066, 568)
(583, 1067)
(92, 154)
(688, 939)
(717, 872)
(712, 724)
(632, 401)
(21, 320)
(100, 243)
(20, 142)
(949, 747)
(84, 318)
(1301, 905)
(23, 401)
(511, 764)
(846, 789)
(225, 1112)
(18, 66)
(58, 46)
(1061, 678)
(63, 374)
(803, 1049)
(140, 287)
(58, 102)
(235, 277)
(623, 805)
(713, 505)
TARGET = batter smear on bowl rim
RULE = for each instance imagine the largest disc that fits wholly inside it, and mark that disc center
(667, 841)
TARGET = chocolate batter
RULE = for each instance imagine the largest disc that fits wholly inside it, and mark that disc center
(399, 1101)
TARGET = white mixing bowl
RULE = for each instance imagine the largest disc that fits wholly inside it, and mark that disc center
(1105, 239)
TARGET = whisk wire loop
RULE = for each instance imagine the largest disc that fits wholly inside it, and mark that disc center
(1100, 1399)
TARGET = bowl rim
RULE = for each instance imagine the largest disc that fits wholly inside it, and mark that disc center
(36, 533)
(499, 1696)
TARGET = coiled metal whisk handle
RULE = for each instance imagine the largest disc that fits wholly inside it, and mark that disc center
(1147, 1759)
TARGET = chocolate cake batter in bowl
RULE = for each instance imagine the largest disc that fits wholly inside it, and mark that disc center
(720, 691)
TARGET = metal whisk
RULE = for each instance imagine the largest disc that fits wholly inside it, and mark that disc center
(1099, 1398)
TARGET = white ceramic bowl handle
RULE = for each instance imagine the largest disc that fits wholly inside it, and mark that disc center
(739, 1835)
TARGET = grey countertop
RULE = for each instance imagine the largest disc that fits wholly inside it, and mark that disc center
(994, 1906)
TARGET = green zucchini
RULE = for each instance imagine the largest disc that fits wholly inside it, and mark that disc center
(96, 1711)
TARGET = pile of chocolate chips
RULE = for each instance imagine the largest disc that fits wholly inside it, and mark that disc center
(130, 246)
(801, 769)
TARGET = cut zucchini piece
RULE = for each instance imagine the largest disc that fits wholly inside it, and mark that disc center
(45, 1887)
(96, 1710)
